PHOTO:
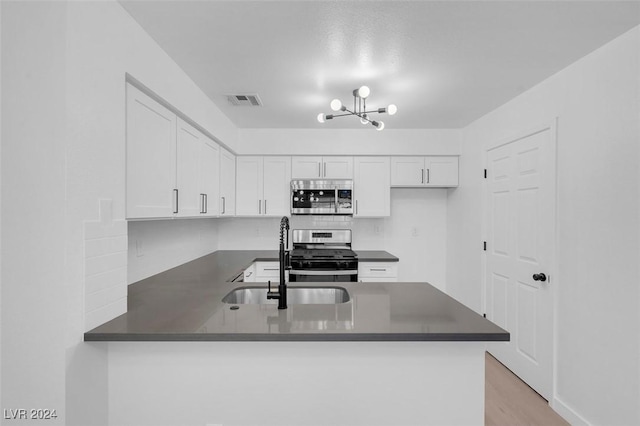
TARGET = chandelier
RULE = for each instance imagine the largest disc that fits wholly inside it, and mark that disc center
(359, 109)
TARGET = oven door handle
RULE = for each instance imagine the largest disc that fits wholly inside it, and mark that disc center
(336, 272)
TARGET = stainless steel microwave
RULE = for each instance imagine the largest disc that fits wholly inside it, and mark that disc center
(322, 197)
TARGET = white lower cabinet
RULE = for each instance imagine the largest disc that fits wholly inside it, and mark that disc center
(262, 272)
(377, 271)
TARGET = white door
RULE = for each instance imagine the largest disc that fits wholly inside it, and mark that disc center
(306, 167)
(441, 171)
(277, 179)
(337, 167)
(189, 144)
(249, 186)
(407, 171)
(227, 183)
(520, 228)
(372, 186)
(151, 157)
(210, 178)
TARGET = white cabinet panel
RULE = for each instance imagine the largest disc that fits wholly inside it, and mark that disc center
(306, 167)
(263, 186)
(441, 171)
(277, 179)
(227, 202)
(210, 178)
(151, 157)
(249, 186)
(337, 167)
(372, 187)
(431, 171)
(189, 142)
(322, 167)
(407, 171)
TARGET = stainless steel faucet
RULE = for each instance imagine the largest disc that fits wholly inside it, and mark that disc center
(284, 259)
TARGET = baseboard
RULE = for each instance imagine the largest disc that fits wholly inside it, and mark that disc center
(568, 413)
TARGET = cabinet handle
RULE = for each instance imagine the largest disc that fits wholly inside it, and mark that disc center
(422, 174)
(249, 274)
(201, 203)
(271, 269)
(325, 169)
(319, 170)
(259, 206)
(428, 176)
(265, 206)
(224, 206)
(356, 206)
(175, 201)
(378, 269)
(206, 203)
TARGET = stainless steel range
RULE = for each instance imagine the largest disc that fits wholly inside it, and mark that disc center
(322, 255)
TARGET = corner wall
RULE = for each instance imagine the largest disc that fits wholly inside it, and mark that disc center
(596, 101)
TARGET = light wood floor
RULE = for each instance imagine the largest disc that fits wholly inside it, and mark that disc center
(509, 401)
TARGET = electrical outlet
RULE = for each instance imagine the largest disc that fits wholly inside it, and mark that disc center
(415, 231)
(139, 251)
(376, 229)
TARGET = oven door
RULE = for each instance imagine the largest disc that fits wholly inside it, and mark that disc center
(307, 276)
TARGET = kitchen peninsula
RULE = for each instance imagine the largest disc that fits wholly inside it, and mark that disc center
(395, 353)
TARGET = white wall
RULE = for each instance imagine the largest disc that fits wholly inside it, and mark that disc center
(33, 206)
(415, 232)
(155, 246)
(63, 149)
(598, 332)
(365, 141)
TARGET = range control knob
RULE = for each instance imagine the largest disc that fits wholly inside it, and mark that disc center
(540, 277)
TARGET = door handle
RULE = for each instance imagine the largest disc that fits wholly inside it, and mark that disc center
(540, 277)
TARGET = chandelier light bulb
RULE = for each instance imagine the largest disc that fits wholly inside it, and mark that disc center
(363, 92)
(336, 104)
(380, 125)
(363, 119)
(321, 117)
(392, 109)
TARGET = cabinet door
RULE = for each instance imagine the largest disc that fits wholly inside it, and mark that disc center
(249, 186)
(306, 167)
(407, 171)
(372, 186)
(210, 178)
(277, 183)
(337, 167)
(189, 144)
(227, 183)
(441, 171)
(151, 157)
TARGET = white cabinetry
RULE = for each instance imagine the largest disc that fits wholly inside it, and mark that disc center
(263, 186)
(322, 167)
(377, 271)
(227, 203)
(172, 168)
(431, 171)
(151, 157)
(371, 187)
(262, 272)
(197, 173)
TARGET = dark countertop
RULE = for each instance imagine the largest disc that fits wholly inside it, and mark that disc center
(375, 256)
(185, 304)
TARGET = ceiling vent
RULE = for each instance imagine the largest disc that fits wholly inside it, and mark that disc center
(252, 100)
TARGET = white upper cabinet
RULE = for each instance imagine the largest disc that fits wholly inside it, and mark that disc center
(227, 203)
(151, 157)
(172, 167)
(209, 179)
(262, 186)
(276, 186)
(322, 167)
(431, 171)
(372, 187)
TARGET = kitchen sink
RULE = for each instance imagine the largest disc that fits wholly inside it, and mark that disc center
(295, 296)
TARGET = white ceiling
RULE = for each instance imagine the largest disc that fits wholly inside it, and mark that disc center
(444, 64)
